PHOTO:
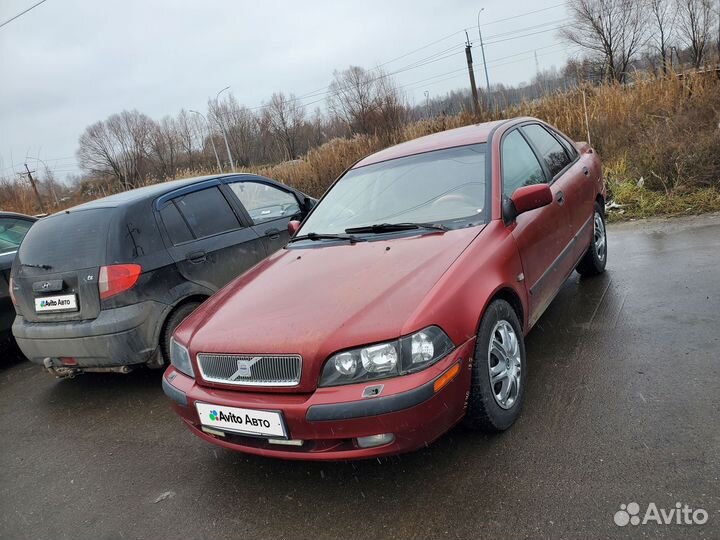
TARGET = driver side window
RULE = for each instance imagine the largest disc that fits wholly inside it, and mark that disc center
(265, 202)
(520, 166)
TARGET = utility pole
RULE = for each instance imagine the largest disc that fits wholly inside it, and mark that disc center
(35, 189)
(482, 49)
(473, 86)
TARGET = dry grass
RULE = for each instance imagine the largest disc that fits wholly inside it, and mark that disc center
(664, 130)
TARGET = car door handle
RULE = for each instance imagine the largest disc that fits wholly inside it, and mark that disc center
(197, 257)
(586, 171)
(272, 234)
(560, 198)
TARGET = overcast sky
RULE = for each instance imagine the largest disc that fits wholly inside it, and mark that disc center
(69, 63)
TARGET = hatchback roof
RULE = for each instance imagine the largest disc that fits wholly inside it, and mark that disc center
(474, 134)
(147, 192)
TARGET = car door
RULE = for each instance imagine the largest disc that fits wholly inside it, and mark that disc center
(209, 242)
(540, 234)
(269, 208)
(571, 178)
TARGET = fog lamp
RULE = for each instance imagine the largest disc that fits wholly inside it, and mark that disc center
(375, 440)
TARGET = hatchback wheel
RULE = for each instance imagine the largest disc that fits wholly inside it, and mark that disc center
(499, 371)
(173, 321)
(595, 258)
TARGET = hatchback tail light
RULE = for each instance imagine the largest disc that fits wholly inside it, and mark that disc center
(12, 293)
(116, 278)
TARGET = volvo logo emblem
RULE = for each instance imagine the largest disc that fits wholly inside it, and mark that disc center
(243, 368)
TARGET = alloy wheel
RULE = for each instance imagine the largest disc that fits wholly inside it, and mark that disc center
(599, 237)
(504, 364)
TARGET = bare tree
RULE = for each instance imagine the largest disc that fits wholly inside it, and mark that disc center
(285, 118)
(242, 129)
(663, 14)
(117, 147)
(611, 30)
(697, 20)
(366, 101)
(164, 144)
(187, 133)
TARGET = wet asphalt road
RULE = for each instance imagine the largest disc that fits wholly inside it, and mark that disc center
(622, 405)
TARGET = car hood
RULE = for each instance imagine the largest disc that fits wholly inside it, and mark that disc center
(314, 301)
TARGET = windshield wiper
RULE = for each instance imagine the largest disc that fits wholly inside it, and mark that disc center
(322, 236)
(392, 227)
(42, 266)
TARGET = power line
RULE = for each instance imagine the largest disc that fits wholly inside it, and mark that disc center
(432, 58)
(528, 28)
(527, 35)
(521, 15)
(22, 13)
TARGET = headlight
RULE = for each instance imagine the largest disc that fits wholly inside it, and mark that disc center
(405, 355)
(180, 358)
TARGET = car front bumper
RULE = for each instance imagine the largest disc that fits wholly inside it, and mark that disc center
(330, 420)
(117, 337)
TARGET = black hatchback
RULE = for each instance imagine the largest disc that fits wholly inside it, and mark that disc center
(102, 286)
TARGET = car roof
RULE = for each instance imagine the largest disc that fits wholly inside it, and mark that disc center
(474, 134)
(5, 214)
(151, 192)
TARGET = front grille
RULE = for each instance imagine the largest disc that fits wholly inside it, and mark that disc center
(251, 369)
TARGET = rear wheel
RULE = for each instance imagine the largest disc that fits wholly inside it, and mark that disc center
(499, 372)
(595, 258)
(172, 322)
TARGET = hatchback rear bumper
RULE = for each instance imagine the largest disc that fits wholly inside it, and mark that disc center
(330, 420)
(117, 337)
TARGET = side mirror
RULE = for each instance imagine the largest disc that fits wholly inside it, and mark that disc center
(293, 227)
(527, 198)
(308, 204)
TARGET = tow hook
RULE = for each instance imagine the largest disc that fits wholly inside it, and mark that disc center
(66, 372)
(59, 372)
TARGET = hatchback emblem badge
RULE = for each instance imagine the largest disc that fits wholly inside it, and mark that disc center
(243, 368)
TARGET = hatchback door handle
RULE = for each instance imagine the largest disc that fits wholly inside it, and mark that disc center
(560, 198)
(197, 257)
(272, 233)
(586, 171)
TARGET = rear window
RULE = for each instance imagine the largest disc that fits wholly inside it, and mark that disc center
(549, 148)
(206, 212)
(68, 241)
(175, 225)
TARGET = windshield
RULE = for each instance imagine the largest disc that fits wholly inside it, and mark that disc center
(12, 232)
(443, 186)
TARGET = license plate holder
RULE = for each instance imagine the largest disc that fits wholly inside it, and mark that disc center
(252, 422)
(56, 304)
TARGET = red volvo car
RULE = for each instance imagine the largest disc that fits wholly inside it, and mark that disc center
(399, 306)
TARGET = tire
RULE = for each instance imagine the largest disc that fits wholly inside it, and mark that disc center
(172, 322)
(485, 411)
(595, 258)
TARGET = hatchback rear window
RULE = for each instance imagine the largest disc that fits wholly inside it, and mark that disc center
(68, 241)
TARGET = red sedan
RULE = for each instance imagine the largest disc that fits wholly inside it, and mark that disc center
(399, 306)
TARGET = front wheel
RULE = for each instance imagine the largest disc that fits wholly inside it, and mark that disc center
(499, 372)
(595, 258)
